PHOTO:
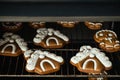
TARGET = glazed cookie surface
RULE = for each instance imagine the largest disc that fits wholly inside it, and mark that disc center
(93, 25)
(11, 26)
(91, 60)
(50, 38)
(102, 34)
(12, 45)
(42, 62)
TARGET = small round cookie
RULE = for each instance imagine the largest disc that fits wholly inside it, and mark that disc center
(110, 45)
(12, 45)
(68, 24)
(50, 38)
(91, 60)
(42, 62)
(11, 26)
(102, 34)
(93, 26)
(37, 25)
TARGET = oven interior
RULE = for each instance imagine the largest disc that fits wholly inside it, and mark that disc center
(79, 35)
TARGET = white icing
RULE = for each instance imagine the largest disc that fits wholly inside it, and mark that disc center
(51, 38)
(9, 45)
(88, 60)
(110, 34)
(11, 41)
(102, 43)
(38, 54)
(11, 37)
(85, 49)
(91, 23)
(93, 52)
(41, 56)
(2, 42)
(117, 41)
(22, 45)
(58, 34)
(43, 32)
(7, 35)
(109, 39)
(103, 31)
(54, 57)
(48, 61)
(37, 40)
(31, 63)
(15, 36)
(92, 55)
(28, 53)
(101, 34)
(100, 78)
(99, 24)
(117, 45)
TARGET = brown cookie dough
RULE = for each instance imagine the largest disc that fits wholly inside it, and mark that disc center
(12, 45)
(110, 45)
(11, 26)
(102, 34)
(50, 38)
(91, 60)
(68, 24)
(93, 26)
(37, 25)
(42, 62)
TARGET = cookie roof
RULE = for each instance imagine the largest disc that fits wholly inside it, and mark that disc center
(33, 56)
(10, 37)
(43, 32)
(86, 51)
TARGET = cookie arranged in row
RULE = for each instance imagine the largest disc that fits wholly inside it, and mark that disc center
(88, 60)
(42, 62)
(12, 45)
(91, 61)
(15, 26)
(107, 40)
(50, 38)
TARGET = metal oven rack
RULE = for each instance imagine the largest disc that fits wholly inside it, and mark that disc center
(15, 66)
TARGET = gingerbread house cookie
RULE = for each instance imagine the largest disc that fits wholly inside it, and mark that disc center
(42, 62)
(50, 38)
(93, 25)
(12, 45)
(91, 60)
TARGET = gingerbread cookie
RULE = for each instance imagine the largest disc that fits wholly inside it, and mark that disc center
(37, 25)
(68, 24)
(110, 45)
(11, 26)
(50, 38)
(93, 26)
(91, 60)
(102, 76)
(102, 34)
(12, 45)
(42, 62)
